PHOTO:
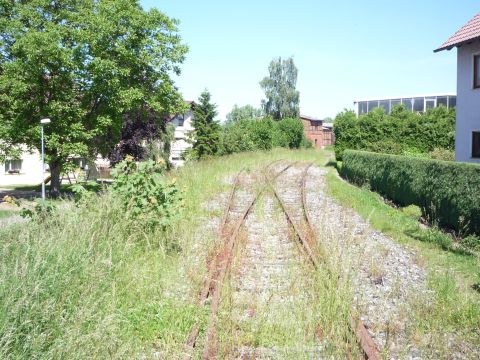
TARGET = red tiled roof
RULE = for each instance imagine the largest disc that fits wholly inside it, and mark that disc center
(470, 31)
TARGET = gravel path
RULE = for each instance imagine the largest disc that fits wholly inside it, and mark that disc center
(267, 311)
(384, 274)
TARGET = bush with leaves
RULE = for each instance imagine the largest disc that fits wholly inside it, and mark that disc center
(42, 210)
(84, 192)
(402, 132)
(262, 134)
(291, 133)
(148, 200)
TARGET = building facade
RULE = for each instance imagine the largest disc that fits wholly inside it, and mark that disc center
(317, 131)
(183, 126)
(467, 42)
(419, 103)
(25, 170)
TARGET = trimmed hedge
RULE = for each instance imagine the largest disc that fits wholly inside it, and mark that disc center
(402, 132)
(447, 192)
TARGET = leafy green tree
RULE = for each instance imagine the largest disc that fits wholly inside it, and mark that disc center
(243, 113)
(83, 64)
(205, 137)
(282, 98)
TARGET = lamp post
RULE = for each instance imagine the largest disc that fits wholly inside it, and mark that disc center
(42, 123)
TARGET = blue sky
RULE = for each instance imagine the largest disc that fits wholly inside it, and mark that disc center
(344, 50)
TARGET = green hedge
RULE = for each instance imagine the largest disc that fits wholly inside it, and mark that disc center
(402, 132)
(448, 193)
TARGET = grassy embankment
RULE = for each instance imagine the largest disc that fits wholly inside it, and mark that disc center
(84, 285)
(453, 310)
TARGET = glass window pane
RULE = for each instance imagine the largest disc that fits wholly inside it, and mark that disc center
(452, 101)
(429, 103)
(476, 71)
(407, 103)
(396, 102)
(418, 104)
(442, 100)
(362, 107)
(476, 144)
(372, 105)
(385, 104)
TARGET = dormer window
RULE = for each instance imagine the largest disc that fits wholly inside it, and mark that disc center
(180, 119)
(476, 71)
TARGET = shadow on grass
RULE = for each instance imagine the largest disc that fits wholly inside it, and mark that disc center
(439, 238)
(331, 163)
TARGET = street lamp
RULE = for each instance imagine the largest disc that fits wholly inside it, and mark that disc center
(42, 123)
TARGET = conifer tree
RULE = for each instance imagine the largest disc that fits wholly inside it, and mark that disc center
(206, 134)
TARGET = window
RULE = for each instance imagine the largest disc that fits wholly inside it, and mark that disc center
(476, 71)
(372, 105)
(430, 103)
(452, 101)
(442, 100)
(476, 144)
(395, 102)
(180, 120)
(385, 104)
(407, 103)
(418, 104)
(13, 166)
(362, 107)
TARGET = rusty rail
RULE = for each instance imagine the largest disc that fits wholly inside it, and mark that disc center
(364, 339)
(218, 269)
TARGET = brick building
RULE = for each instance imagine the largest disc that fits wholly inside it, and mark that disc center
(318, 132)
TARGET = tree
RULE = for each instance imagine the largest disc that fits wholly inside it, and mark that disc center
(243, 113)
(283, 100)
(206, 134)
(145, 135)
(83, 64)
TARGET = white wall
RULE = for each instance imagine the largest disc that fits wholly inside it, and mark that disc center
(468, 103)
(30, 174)
(180, 144)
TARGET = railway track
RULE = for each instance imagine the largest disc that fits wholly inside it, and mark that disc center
(312, 249)
(218, 268)
(234, 217)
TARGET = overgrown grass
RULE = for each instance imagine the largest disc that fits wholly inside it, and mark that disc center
(6, 213)
(84, 285)
(81, 285)
(450, 315)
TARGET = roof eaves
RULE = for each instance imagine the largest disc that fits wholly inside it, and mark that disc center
(450, 47)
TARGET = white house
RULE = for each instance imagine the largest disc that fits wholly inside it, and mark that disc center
(467, 41)
(26, 170)
(183, 125)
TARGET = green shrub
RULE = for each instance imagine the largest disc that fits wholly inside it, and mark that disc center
(448, 193)
(262, 134)
(442, 154)
(42, 210)
(291, 131)
(146, 198)
(401, 132)
(413, 211)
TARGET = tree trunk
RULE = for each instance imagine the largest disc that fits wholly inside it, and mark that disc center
(55, 171)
